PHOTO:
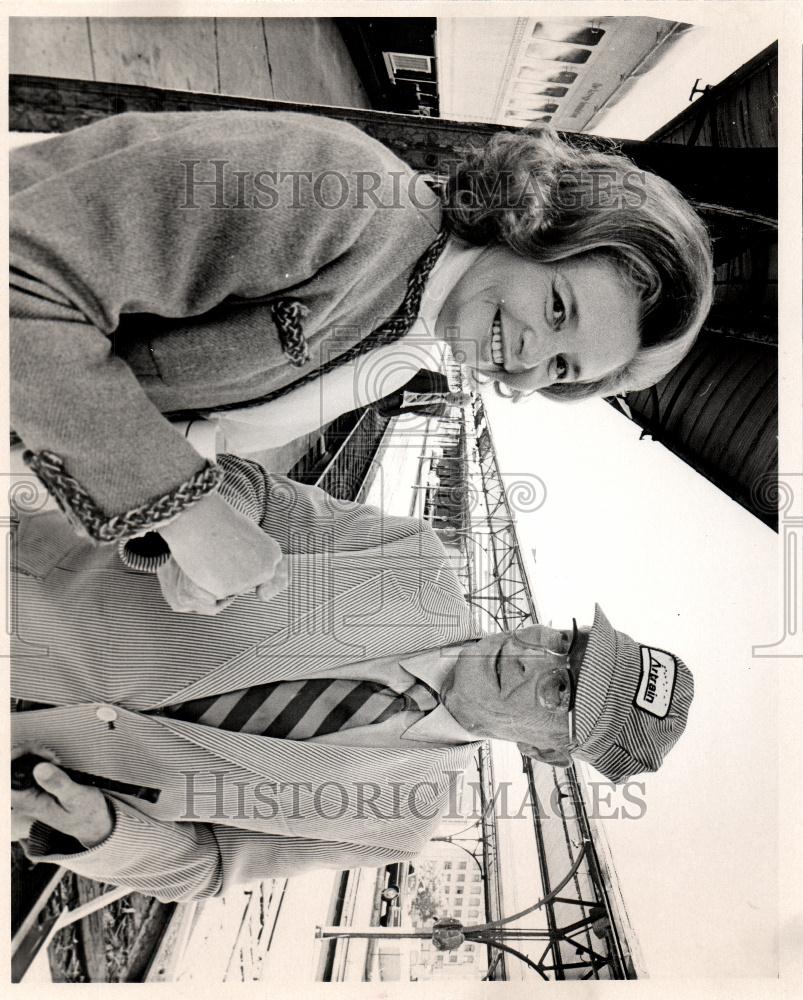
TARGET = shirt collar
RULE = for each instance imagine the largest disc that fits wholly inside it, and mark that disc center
(432, 667)
(456, 258)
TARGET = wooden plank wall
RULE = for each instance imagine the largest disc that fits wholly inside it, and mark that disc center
(746, 288)
(718, 410)
(286, 59)
(746, 112)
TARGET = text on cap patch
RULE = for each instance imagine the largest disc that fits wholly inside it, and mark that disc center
(654, 693)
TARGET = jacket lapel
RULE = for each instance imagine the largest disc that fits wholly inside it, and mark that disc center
(315, 642)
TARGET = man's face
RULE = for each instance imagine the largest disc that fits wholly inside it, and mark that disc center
(513, 686)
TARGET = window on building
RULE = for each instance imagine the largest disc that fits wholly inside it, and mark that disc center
(476, 877)
(458, 890)
(462, 864)
(555, 91)
(453, 958)
(469, 948)
(473, 914)
(476, 890)
(561, 31)
(407, 65)
(540, 90)
(527, 109)
(461, 876)
(447, 865)
(565, 76)
(544, 74)
(516, 116)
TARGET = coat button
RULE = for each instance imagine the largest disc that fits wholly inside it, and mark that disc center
(106, 714)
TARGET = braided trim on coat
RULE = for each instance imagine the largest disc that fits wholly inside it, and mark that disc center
(83, 512)
(388, 332)
(287, 315)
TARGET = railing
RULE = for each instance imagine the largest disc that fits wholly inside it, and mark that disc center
(346, 470)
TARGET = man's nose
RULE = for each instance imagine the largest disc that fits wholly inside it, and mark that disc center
(554, 689)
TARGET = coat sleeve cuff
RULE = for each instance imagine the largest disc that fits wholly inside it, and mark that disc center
(51, 846)
(86, 515)
(46, 844)
(167, 860)
(244, 486)
(144, 553)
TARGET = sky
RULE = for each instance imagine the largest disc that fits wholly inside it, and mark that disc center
(716, 46)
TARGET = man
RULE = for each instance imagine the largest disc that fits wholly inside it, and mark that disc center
(426, 394)
(211, 772)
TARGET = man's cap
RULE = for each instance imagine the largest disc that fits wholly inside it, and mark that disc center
(631, 704)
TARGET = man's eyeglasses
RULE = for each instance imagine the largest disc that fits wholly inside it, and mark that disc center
(550, 652)
(565, 660)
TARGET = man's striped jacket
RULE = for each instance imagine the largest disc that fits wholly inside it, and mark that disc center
(95, 639)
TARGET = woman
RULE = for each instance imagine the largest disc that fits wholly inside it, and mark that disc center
(274, 270)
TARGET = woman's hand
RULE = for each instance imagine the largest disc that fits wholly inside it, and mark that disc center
(217, 554)
(80, 811)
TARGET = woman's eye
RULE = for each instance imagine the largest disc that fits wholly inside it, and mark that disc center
(558, 308)
(561, 368)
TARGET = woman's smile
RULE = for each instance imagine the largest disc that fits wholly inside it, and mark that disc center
(496, 341)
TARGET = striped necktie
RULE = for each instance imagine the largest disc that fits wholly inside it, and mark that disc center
(299, 710)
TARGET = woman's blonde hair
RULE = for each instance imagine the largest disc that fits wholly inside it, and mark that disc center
(549, 200)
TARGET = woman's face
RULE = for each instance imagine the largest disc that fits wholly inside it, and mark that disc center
(530, 325)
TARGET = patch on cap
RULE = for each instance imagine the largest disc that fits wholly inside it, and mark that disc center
(654, 693)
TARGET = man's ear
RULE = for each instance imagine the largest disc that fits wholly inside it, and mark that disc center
(556, 758)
